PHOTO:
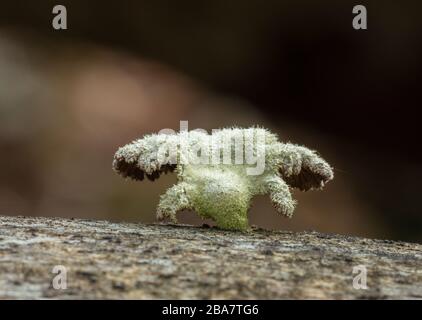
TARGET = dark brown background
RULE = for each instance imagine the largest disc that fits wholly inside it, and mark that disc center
(69, 98)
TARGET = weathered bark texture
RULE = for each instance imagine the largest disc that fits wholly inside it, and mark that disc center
(125, 260)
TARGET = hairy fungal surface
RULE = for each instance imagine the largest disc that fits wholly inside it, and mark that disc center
(219, 174)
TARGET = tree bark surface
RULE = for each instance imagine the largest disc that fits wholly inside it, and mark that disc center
(137, 261)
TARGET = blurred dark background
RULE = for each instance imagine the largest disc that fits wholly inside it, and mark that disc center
(70, 98)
